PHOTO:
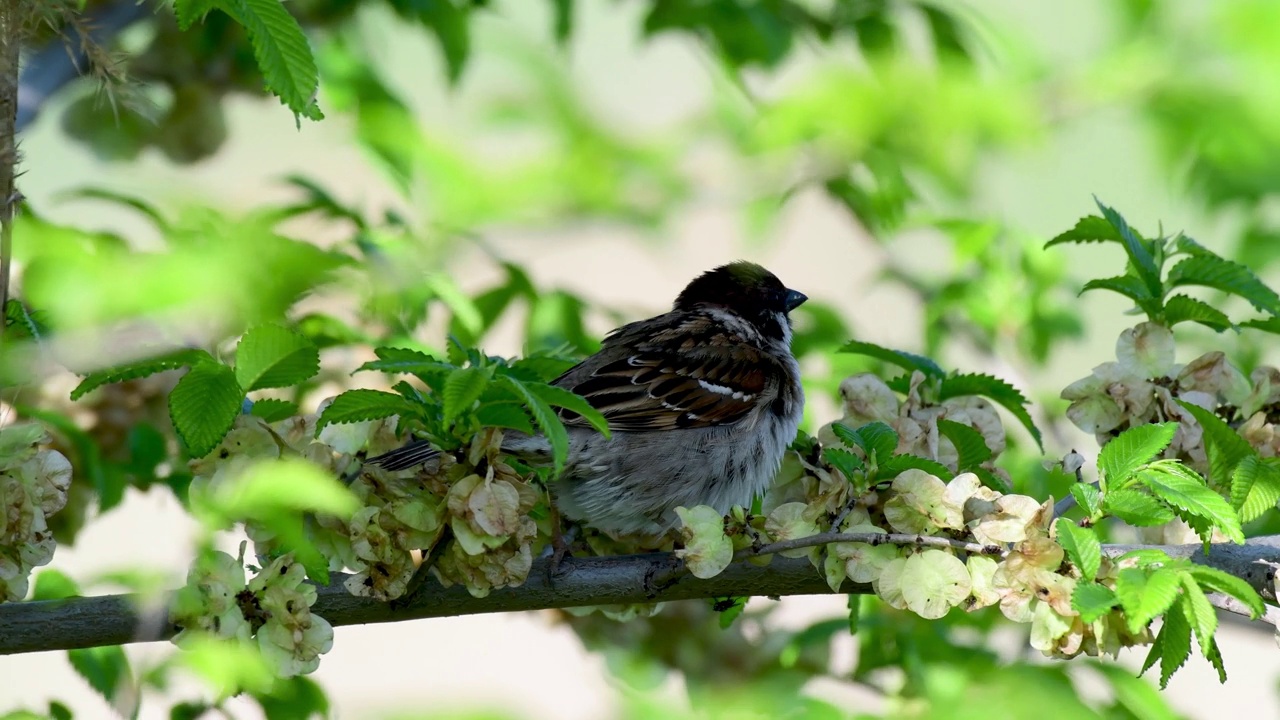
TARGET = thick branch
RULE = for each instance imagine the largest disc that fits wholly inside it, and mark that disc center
(117, 619)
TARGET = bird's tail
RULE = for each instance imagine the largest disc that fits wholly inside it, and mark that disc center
(415, 453)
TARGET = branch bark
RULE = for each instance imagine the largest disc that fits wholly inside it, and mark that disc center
(120, 619)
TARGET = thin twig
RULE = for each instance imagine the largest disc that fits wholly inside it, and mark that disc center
(11, 32)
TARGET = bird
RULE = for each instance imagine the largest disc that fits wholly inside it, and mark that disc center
(701, 403)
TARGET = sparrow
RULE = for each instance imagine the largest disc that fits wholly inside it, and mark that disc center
(702, 403)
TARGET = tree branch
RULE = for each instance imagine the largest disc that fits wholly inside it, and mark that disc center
(121, 619)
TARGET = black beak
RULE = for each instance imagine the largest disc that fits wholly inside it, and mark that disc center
(795, 299)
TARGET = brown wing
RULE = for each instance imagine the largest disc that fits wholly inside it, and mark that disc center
(681, 373)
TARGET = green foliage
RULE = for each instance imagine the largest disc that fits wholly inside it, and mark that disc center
(1148, 284)
(140, 369)
(970, 446)
(905, 360)
(273, 356)
(1006, 395)
(204, 404)
(1082, 547)
(279, 46)
(1130, 450)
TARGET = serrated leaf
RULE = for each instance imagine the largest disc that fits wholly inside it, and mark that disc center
(1179, 486)
(1136, 507)
(970, 445)
(1269, 324)
(1222, 274)
(282, 52)
(1088, 229)
(1182, 308)
(1138, 249)
(1201, 614)
(189, 11)
(572, 403)
(1265, 492)
(1082, 547)
(274, 410)
(1092, 600)
(1128, 286)
(504, 415)
(995, 389)
(273, 356)
(1222, 445)
(140, 369)
(1132, 449)
(203, 406)
(546, 419)
(1145, 594)
(898, 464)
(877, 440)
(1087, 497)
(402, 360)
(20, 324)
(359, 405)
(993, 481)
(843, 460)
(461, 390)
(907, 361)
(848, 436)
(1216, 580)
(1174, 642)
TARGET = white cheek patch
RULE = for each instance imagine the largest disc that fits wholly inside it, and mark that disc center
(724, 390)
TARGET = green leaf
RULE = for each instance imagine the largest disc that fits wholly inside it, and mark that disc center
(1179, 486)
(1221, 274)
(273, 409)
(905, 360)
(546, 419)
(54, 585)
(282, 52)
(140, 369)
(1092, 601)
(1135, 695)
(1146, 594)
(1269, 324)
(1136, 507)
(1088, 497)
(1082, 547)
(1174, 643)
(359, 405)
(505, 415)
(1138, 249)
(1132, 449)
(447, 20)
(1182, 308)
(970, 445)
(846, 462)
(273, 356)
(1088, 229)
(461, 391)
(898, 464)
(1265, 492)
(1203, 616)
(106, 669)
(290, 484)
(203, 406)
(227, 668)
(20, 324)
(563, 25)
(878, 440)
(1128, 286)
(543, 368)
(1215, 580)
(189, 11)
(996, 389)
(395, 361)
(571, 402)
(848, 436)
(1223, 445)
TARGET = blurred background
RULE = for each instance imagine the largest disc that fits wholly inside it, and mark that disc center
(902, 163)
